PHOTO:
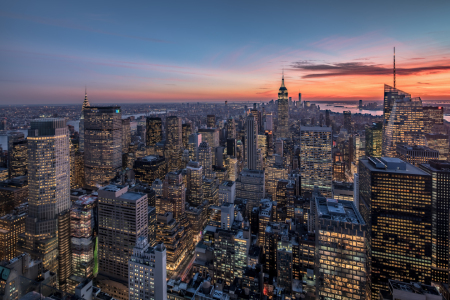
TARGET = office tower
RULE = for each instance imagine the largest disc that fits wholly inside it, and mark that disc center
(211, 136)
(440, 200)
(48, 188)
(174, 237)
(416, 155)
(173, 142)
(358, 147)
(149, 168)
(231, 164)
(227, 192)
(241, 249)
(257, 115)
(194, 173)
(126, 135)
(205, 159)
(174, 190)
(223, 255)
(231, 147)
(64, 251)
(81, 125)
(211, 190)
(274, 232)
(83, 236)
(154, 131)
(432, 115)
(273, 173)
(440, 143)
(194, 142)
(226, 215)
(147, 272)
(399, 290)
(186, 131)
(122, 219)
(268, 124)
(316, 158)
(3, 174)
(211, 121)
(285, 264)
(251, 186)
(360, 105)
(250, 142)
(299, 98)
(348, 120)
(374, 134)
(395, 202)
(17, 154)
(342, 239)
(197, 217)
(11, 226)
(102, 144)
(283, 112)
(231, 129)
(327, 118)
(13, 192)
(403, 120)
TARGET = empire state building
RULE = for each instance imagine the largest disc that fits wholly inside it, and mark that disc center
(283, 111)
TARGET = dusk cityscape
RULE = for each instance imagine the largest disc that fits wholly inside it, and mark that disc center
(238, 150)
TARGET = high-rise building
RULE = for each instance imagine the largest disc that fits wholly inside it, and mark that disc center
(432, 115)
(211, 121)
(348, 120)
(403, 120)
(285, 264)
(17, 154)
(126, 135)
(283, 112)
(194, 142)
(194, 173)
(416, 155)
(231, 147)
(173, 142)
(154, 131)
(231, 129)
(174, 190)
(11, 226)
(227, 192)
(48, 189)
(316, 158)
(342, 239)
(147, 272)
(211, 136)
(83, 236)
(250, 142)
(268, 124)
(395, 202)
(439, 142)
(122, 219)
(102, 144)
(205, 158)
(440, 204)
(186, 131)
(149, 168)
(81, 125)
(374, 134)
(251, 186)
(13, 192)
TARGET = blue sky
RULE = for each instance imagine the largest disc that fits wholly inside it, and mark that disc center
(148, 51)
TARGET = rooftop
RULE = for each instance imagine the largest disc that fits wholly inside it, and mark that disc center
(413, 287)
(338, 210)
(132, 196)
(391, 165)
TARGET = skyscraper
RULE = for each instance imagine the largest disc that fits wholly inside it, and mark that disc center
(440, 204)
(395, 202)
(205, 158)
(103, 143)
(154, 131)
(374, 134)
(231, 129)
(250, 186)
(122, 220)
(17, 154)
(186, 131)
(194, 142)
(403, 120)
(283, 111)
(250, 142)
(316, 158)
(48, 188)
(194, 183)
(174, 190)
(432, 115)
(147, 272)
(81, 125)
(211, 121)
(348, 120)
(342, 240)
(126, 135)
(173, 142)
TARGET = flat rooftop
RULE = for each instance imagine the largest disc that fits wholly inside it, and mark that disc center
(391, 165)
(413, 287)
(338, 210)
(132, 196)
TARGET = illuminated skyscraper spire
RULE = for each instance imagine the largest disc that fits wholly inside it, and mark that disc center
(86, 101)
(283, 111)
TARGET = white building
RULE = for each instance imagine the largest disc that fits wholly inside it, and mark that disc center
(227, 192)
(147, 272)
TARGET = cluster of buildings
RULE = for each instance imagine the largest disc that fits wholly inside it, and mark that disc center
(274, 201)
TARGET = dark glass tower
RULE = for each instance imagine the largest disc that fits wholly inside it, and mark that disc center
(395, 202)
(154, 131)
(374, 134)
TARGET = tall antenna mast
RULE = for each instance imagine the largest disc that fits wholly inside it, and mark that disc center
(394, 68)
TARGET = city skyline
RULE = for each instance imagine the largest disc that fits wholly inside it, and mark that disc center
(216, 52)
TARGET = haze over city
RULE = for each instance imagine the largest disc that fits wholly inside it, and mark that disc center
(209, 51)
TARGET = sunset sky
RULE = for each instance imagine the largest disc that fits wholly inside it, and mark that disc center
(154, 51)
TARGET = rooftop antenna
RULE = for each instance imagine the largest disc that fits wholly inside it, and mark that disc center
(394, 68)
